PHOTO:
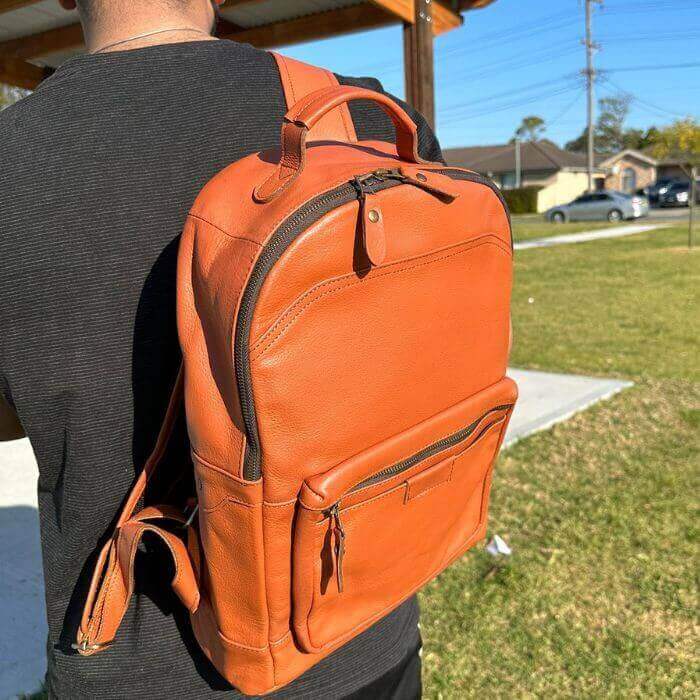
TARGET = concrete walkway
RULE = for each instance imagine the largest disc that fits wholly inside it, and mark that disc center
(545, 399)
(583, 236)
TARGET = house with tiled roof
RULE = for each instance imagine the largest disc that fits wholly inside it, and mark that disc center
(561, 175)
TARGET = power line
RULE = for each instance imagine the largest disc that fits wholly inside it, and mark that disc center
(521, 60)
(564, 111)
(668, 66)
(509, 105)
(565, 79)
(640, 101)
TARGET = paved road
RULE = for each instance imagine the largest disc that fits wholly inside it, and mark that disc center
(671, 214)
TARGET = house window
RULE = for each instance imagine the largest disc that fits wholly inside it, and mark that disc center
(508, 181)
(629, 180)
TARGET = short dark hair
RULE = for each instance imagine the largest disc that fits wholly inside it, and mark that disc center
(90, 7)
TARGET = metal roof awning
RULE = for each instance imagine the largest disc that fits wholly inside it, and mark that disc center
(36, 36)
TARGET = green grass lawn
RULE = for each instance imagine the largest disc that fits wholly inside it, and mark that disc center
(531, 226)
(600, 596)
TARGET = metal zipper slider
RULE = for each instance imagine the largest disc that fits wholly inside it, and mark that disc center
(389, 174)
(339, 533)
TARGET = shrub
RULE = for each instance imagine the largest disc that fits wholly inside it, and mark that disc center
(522, 200)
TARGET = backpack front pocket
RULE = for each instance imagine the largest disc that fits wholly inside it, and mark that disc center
(372, 530)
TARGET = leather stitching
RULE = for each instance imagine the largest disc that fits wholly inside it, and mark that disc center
(221, 470)
(348, 276)
(315, 493)
(290, 83)
(103, 598)
(230, 499)
(282, 640)
(455, 455)
(221, 230)
(368, 621)
(434, 486)
(261, 351)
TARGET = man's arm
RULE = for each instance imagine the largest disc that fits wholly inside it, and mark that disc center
(10, 427)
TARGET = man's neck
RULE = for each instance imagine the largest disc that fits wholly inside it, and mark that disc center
(144, 29)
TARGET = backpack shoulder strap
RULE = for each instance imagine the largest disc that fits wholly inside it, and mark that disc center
(300, 79)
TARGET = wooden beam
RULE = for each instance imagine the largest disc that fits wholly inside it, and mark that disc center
(474, 4)
(9, 5)
(376, 13)
(15, 71)
(443, 17)
(418, 61)
(58, 39)
(403, 9)
(317, 26)
(223, 26)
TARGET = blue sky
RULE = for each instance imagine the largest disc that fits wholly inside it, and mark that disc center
(521, 57)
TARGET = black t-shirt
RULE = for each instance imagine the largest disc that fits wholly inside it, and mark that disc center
(98, 169)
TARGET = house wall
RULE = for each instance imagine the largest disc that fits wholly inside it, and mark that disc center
(561, 189)
(506, 180)
(642, 174)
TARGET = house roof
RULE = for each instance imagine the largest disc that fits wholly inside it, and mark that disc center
(628, 152)
(534, 155)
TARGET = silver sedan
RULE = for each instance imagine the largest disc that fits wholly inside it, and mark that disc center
(595, 206)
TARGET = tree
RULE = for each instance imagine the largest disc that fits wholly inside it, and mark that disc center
(639, 139)
(609, 135)
(681, 142)
(609, 129)
(531, 128)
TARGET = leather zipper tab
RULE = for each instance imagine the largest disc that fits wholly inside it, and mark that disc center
(436, 184)
(371, 217)
(373, 236)
(339, 533)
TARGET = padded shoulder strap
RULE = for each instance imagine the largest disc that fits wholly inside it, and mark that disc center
(299, 80)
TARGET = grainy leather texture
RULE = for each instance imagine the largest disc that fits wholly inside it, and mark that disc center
(371, 294)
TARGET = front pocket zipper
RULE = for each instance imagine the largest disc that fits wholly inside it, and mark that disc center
(339, 536)
(333, 513)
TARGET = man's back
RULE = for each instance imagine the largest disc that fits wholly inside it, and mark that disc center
(97, 172)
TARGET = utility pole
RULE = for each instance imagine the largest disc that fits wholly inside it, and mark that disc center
(590, 80)
(518, 167)
(691, 203)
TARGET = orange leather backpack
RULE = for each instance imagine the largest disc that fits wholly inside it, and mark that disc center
(343, 311)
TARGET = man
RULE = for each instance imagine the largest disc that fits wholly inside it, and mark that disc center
(97, 171)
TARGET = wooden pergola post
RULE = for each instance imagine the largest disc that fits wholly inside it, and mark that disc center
(418, 61)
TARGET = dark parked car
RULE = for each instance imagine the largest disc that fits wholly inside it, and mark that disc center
(659, 188)
(678, 195)
(605, 204)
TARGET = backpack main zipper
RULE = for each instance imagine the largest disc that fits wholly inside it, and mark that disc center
(280, 240)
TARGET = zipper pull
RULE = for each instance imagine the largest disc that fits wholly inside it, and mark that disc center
(371, 219)
(373, 236)
(339, 533)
